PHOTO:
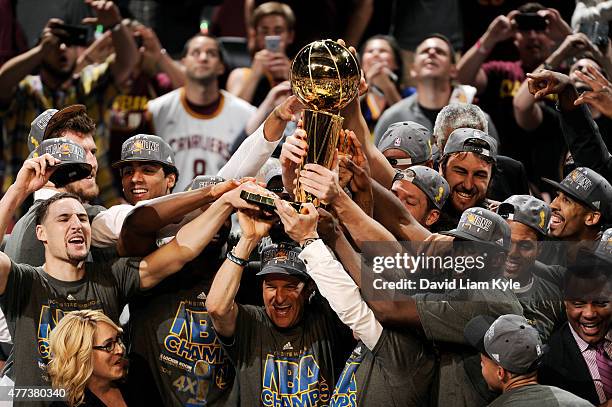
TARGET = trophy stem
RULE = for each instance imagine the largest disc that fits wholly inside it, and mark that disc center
(323, 131)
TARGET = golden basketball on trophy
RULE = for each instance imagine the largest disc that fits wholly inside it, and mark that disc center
(325, 78)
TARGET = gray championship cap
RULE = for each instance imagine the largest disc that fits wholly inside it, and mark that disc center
(73, 165)
(509, 340)
(146, 147)
(587, 187)
(282, 258)
(471, 141)
(202, 181)
(48, 121)
(604, 247)
(410, 137)
(433, 185)
(483, 226)
(527, 210)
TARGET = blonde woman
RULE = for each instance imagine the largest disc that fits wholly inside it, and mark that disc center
(87, 359)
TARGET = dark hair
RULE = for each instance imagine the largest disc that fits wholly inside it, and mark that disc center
(532, 7)
(80, 123)
(448, 42)
(222, 52)
(171, 170)
(395, 48)
(43, 208)
(589, 268)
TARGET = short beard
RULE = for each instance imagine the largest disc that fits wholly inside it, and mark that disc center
(86, 195)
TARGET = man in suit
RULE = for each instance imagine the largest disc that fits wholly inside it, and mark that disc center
(579, 357)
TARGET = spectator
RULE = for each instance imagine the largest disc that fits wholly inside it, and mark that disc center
(270, 64)
(498, 81)
(200, 121)
(88, 359)
(382, 65)
(510, 350)
(433, 72)
(26, 95)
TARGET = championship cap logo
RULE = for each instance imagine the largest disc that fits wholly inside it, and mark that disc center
(478, 221)
(542, 215)
(438, 197)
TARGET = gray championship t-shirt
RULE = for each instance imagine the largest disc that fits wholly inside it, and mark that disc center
(397, 372)
(444, 317)
(543, 302)
(290, 367)
(538, 395)
(34, 302)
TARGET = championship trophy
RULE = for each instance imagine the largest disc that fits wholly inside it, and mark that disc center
(325, 78)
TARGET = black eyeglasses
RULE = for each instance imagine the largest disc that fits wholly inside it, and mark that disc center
(110, 346)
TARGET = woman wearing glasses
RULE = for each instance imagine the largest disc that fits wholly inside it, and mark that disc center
(87, 359)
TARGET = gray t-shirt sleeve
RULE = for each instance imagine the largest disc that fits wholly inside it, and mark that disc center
(444, 316)
(18, 289)
(125, 271)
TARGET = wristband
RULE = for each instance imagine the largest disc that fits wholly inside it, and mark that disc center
(481, 48)
(235, 259)
(309, 241)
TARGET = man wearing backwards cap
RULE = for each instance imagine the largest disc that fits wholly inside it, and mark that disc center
(74, 124)
(467, 165)
(582, 205)
(423, 192)
(289, 351)
(405, 144)
(510, 351)
(541, 298)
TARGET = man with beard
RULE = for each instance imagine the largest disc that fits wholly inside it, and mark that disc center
(200, 121)
(467, 165)
(541, 298)
(498, 81)
(25, 96)
(579, 356)
(74, 124)
(34, 299)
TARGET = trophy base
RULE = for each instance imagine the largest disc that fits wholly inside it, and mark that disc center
(265, 202)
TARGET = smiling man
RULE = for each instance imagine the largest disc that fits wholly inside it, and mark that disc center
(289, 351)
(581, 207)
(540, 296)
(581, 349)
(147, 168)
(467, 165)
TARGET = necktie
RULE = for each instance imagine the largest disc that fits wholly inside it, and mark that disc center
(604, 365)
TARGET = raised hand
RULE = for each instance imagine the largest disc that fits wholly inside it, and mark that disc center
(545, 82)
(35, 173)
(600, 97)
(107, 13)
(299, 226)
